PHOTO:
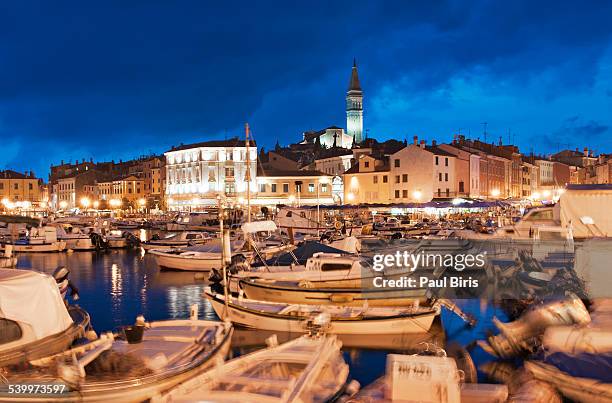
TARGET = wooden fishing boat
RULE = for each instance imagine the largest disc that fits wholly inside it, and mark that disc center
(307, 369)
(300, 293)
(106, 370)
(177, 240)
(34, 321)
(286, 317)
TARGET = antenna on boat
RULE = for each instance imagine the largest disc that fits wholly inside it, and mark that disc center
(248, 173)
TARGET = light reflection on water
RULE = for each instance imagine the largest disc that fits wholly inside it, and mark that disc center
(118, 285)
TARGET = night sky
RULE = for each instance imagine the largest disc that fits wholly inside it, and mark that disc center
(113, 80)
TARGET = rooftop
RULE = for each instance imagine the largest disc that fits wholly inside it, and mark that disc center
(233, 142)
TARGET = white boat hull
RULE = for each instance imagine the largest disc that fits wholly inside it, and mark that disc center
(58, 246)
(349, 297)
(191, 263)
(294, 324)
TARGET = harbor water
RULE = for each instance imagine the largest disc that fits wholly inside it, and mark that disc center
(115, 286)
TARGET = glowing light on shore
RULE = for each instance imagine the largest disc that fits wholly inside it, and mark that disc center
(495, 192)
(417, 194)
(85, 202)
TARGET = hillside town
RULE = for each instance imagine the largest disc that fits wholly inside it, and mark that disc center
(330, 166)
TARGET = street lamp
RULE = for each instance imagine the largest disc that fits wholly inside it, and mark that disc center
(85, 202)
(96, 204)
(417, 194)
(63, 204)
(495, 192)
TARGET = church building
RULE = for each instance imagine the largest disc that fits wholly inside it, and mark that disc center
(337, 136)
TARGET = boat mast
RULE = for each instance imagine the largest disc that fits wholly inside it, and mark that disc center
(223, 257)
(248, 173)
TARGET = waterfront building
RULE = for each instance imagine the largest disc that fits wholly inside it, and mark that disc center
(123, 192)
(529, 180)
(197, 173)
(75, 190)
(21, 190)
(367, 181)
(467, 170)
(420, 173)
(292, 187)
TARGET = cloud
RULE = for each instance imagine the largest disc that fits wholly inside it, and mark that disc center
(115, 80)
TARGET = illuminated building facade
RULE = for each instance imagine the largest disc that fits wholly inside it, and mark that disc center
(197, 173)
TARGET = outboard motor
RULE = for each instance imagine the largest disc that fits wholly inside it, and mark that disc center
(132, 240)
(63, 283)
(98, 241)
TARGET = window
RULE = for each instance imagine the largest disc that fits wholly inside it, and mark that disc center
(436, 160)
(9, 331)
(324, 187)
(229, 172)
(397, 179)
(298, 188)
(311, 187)
(366, 164)
(375, 179)
(446, 177)
(405, 178)
(461, 187)
(439, 192)
(1, 186)
(447, 192)
(404, 193)
(30, 186)
(397, 194)
(262, 187)
(440, 177)
(230, 188)
(285, 188)
(385, 179)
(16, 186)
(397, 163)
(446, 161)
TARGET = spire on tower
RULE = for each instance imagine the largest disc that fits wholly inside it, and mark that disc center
(354, 84)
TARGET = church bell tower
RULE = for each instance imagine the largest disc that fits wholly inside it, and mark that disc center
(354, 107)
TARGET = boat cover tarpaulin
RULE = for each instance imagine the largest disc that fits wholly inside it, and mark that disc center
(303, 252)
(587, 208)
(33, 298)
(583, 365)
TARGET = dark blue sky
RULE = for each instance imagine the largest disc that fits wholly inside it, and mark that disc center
(113, 80)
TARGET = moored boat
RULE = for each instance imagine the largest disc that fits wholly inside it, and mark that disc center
(294, 292)
(307, 369)
(34, 320)
(343, 320)
(166, 353)
(177, 240)
(38, 239)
